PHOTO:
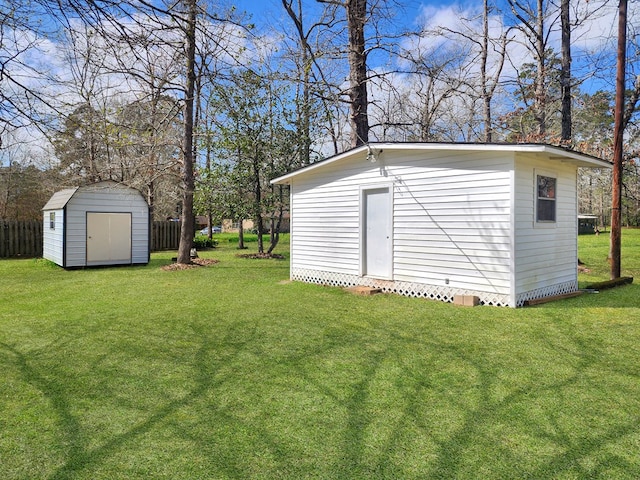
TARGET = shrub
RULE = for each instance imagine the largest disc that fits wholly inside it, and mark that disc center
(200, 242)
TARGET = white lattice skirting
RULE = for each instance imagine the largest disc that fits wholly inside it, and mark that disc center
(433, 292)
(409, 289)
(550, 291)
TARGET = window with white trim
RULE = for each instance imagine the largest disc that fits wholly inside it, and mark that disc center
(52, 220)
(545, 199)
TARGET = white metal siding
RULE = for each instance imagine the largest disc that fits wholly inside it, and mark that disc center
(451, 217)
(53, 239)
(546, 254)
(106, 198)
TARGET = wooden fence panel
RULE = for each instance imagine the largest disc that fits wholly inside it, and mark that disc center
(20, 238)
(165, 236)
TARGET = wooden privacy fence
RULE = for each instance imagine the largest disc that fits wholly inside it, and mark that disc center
(24, 238)
(165, 236)
(20, 238)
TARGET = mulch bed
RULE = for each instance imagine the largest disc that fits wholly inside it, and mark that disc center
(207, 262)
(195, 263)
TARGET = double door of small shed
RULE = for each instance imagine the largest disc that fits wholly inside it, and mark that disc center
(108, 238)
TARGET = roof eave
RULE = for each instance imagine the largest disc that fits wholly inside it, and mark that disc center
(559, 153)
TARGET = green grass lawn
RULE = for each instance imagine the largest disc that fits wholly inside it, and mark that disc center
(229, 371)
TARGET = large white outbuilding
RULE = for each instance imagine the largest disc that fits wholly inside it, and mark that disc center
(434, 220)
(105, 223)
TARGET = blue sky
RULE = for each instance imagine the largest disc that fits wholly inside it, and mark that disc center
(588, 40)
(272, 9)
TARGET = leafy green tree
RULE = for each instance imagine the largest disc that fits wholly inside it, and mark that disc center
(592, 130)
(252, 136)
(592, 124)
(221, 190)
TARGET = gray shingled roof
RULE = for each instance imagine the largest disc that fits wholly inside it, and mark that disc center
(60, 199)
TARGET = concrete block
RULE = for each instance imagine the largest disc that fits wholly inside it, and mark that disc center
(466, 300)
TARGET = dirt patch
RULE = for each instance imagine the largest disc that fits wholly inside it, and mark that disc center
(195, 263)
(277, 256)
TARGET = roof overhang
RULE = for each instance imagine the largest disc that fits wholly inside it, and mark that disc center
(60, 199)
(555, 153)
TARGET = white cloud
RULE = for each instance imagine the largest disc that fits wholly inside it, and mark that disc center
(593, 36)
(597, 24)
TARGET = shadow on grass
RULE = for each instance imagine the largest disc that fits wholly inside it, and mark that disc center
(469, 405)
(79, 456)
(540, 409)
(568, 447)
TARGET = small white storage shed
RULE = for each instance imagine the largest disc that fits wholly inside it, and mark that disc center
(432, 220)
(105, 223)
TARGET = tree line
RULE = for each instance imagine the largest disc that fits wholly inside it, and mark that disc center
(198, 105)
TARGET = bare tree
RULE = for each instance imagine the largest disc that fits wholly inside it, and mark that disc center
(317, 96)
(125, 23)
(489, 82)
(27, 89)
(536, 21)
(486, 54)
(82, 143)
(356, 16)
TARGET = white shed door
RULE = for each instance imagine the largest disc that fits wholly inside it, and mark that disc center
(378, 255)
(108, 237)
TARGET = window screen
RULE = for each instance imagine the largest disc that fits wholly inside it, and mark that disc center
(546, 204)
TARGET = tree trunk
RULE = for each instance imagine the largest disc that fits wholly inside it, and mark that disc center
(241, 234)
(488, 130)
(188, 228)
(260, 230)
(356, 18)
(540, 89)
(275, 225)
(151, 199)
(257, 205)
(565, 75)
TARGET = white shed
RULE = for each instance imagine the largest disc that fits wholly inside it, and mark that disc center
(105, 223)
(434, 220)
